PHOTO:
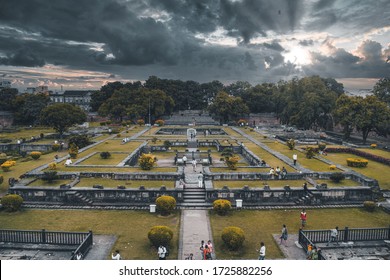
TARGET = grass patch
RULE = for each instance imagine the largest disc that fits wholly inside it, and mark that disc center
(114, 169)
(114, 159)
(42, 183)
(377, 152)
(258, 184)
(130, 227)
(239, 169)
(260, 225)
(373, 170)
(130, 184)
(270, 159)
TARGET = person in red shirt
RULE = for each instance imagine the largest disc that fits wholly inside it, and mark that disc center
(303, 218)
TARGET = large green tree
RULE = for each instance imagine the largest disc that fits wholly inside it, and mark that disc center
(7, 99)
(29, 107)
(382, 90)
(228, 108)
(61, 116)
(363, 114)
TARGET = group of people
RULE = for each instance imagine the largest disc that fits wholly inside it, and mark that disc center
(206, 250)
(278, 173)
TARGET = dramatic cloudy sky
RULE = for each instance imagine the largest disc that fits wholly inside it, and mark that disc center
(86, 43)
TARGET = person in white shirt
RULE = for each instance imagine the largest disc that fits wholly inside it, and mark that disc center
(116, 255)
(194, 164)
(184, 160)
(295, 158)
(68, 162)
(262, 251)
(334, 234)
(161, 252)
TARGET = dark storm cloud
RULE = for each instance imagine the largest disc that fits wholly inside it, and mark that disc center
(249, 18)
(370, 63)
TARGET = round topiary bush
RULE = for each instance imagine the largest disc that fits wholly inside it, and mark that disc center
(357, 162)
(160, 235)
(369, 205)
(12, 202)
(105, 155)
(165, 204)
(35, 155)
(222, 206)
(147, 161)
(337, 177)
(233, 237)
(6, 166)
(55, 147)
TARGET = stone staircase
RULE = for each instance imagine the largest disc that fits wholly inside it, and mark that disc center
(305, 199)
(193, 196)
(83, 198)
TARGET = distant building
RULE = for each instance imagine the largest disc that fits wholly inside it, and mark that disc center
(5, 84)
(81, 98)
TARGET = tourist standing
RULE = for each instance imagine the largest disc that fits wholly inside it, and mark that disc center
(303, 218)
(201, 248)
(79, 256)
(210, 245)
(284, 173)
(200, 180)
(262, 251)
(272, 173)
(161, 252)
(295, 158)
(284, 235)
(334, 234)
(206, 253)
(184, 160)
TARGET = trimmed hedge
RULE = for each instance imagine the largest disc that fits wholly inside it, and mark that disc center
(165, 204)
(12, 202)
(337, 177)
(35, 155)
(360, 154)
(222, 206)
(233, 237)
(357, 162)
(160, 235)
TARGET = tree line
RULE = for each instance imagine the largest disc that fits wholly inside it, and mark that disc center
(308, 103)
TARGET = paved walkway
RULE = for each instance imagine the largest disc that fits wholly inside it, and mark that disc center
(194, 228)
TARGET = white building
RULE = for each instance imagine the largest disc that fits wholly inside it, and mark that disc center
(81, 98)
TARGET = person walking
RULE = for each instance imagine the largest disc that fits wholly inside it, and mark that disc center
(184, 160)
(334, 234)
(284, 235)
(295, 158)
(210, 245)
(303, 218)
(206, 253)
(194, 164)
(262, 251)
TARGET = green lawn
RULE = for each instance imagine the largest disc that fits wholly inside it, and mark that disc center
(42, 183)
(377, 152)
(114, 159)
(378, 171)
(260, 225)
(239, 169)
(114, 169)
(130, 227)
(270, 159)
(26, 133)
(134, 184)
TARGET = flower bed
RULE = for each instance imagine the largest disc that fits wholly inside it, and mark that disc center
(359, 153)
(357, 162)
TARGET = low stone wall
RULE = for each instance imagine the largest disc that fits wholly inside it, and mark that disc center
(257, 196)
(96, 197)
(25, 147)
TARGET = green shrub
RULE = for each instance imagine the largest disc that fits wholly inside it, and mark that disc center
(310, 152)
(105, 155)
(1, 179)
(140, 122)
(337, 177)
(147, 161)
(50, 176)
(154, 140)
(160, 235)
(12, 202)
(369, 205)
(357, 162)
(233, 237)
(159, 122)
(222, 206)
(165, 204)
(6, 166)
(35, 155)
(167, 144)
(80, 141)
(232, 162)
(291, 144)
(73, 150)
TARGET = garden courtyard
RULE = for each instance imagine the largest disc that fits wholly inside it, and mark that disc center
(112, 194)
